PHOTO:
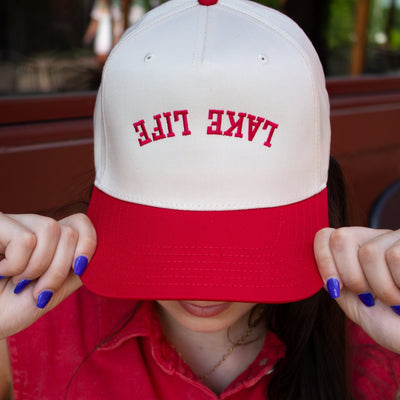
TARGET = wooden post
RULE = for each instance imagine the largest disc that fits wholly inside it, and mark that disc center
(125, 13)
(359, 47)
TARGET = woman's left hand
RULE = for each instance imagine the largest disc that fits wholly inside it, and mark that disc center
(360, 268)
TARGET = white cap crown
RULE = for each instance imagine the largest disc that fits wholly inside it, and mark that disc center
(226, 111)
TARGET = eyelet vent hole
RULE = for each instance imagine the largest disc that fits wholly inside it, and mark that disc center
(149, 57)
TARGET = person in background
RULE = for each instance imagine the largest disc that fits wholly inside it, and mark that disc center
(107, 24)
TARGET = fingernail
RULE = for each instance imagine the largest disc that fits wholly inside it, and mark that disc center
(44, 298)
(80, 265)
(1, 277)
(396, 309)
(21, 285)
(367, 299)
(333, 287)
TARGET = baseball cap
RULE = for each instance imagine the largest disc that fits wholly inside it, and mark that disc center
(212, 138)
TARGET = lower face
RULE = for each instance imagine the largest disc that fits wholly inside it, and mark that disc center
(206, 316)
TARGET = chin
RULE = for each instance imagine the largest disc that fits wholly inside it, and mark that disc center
(204, 325)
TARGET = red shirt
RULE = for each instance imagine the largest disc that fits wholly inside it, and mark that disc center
(65, 349)
(375, 371)
(136, 363)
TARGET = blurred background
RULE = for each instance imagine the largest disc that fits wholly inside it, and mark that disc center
(53, 46)
(51, 57)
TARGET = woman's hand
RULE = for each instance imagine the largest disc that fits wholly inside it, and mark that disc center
(36, 269)
(361, 270)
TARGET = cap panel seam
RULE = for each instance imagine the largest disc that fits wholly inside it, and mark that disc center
(201, 40)
(310, 66)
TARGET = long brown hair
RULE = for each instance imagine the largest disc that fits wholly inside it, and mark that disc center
(313, 331)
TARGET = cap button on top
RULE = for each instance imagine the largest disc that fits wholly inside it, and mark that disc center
(208, 2)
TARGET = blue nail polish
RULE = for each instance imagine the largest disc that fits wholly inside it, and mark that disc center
(396, 309)
(80, 265)
(1, 277)
(367, 299)
(333, 287)
(21, 285)
(44, 298)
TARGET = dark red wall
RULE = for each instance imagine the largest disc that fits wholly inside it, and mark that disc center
(46, 156)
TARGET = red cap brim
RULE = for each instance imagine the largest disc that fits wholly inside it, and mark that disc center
(258, 255)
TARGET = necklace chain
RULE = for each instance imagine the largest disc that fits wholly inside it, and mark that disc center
(240, 341)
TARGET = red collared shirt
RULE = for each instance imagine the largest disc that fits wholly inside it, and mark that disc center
(135, 363)
(375, 371)
(64, 355)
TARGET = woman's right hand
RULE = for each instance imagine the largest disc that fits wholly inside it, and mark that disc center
(37, 258)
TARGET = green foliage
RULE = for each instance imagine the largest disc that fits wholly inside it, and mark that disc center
(271, 3)
(340, 29)
(381, 23)
(395, 39)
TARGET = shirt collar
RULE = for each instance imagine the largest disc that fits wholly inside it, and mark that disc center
(145, 324)
(137, 319)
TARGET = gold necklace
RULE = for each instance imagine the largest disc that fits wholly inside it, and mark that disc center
(204, 376)
(223, 358)
(256, 318)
